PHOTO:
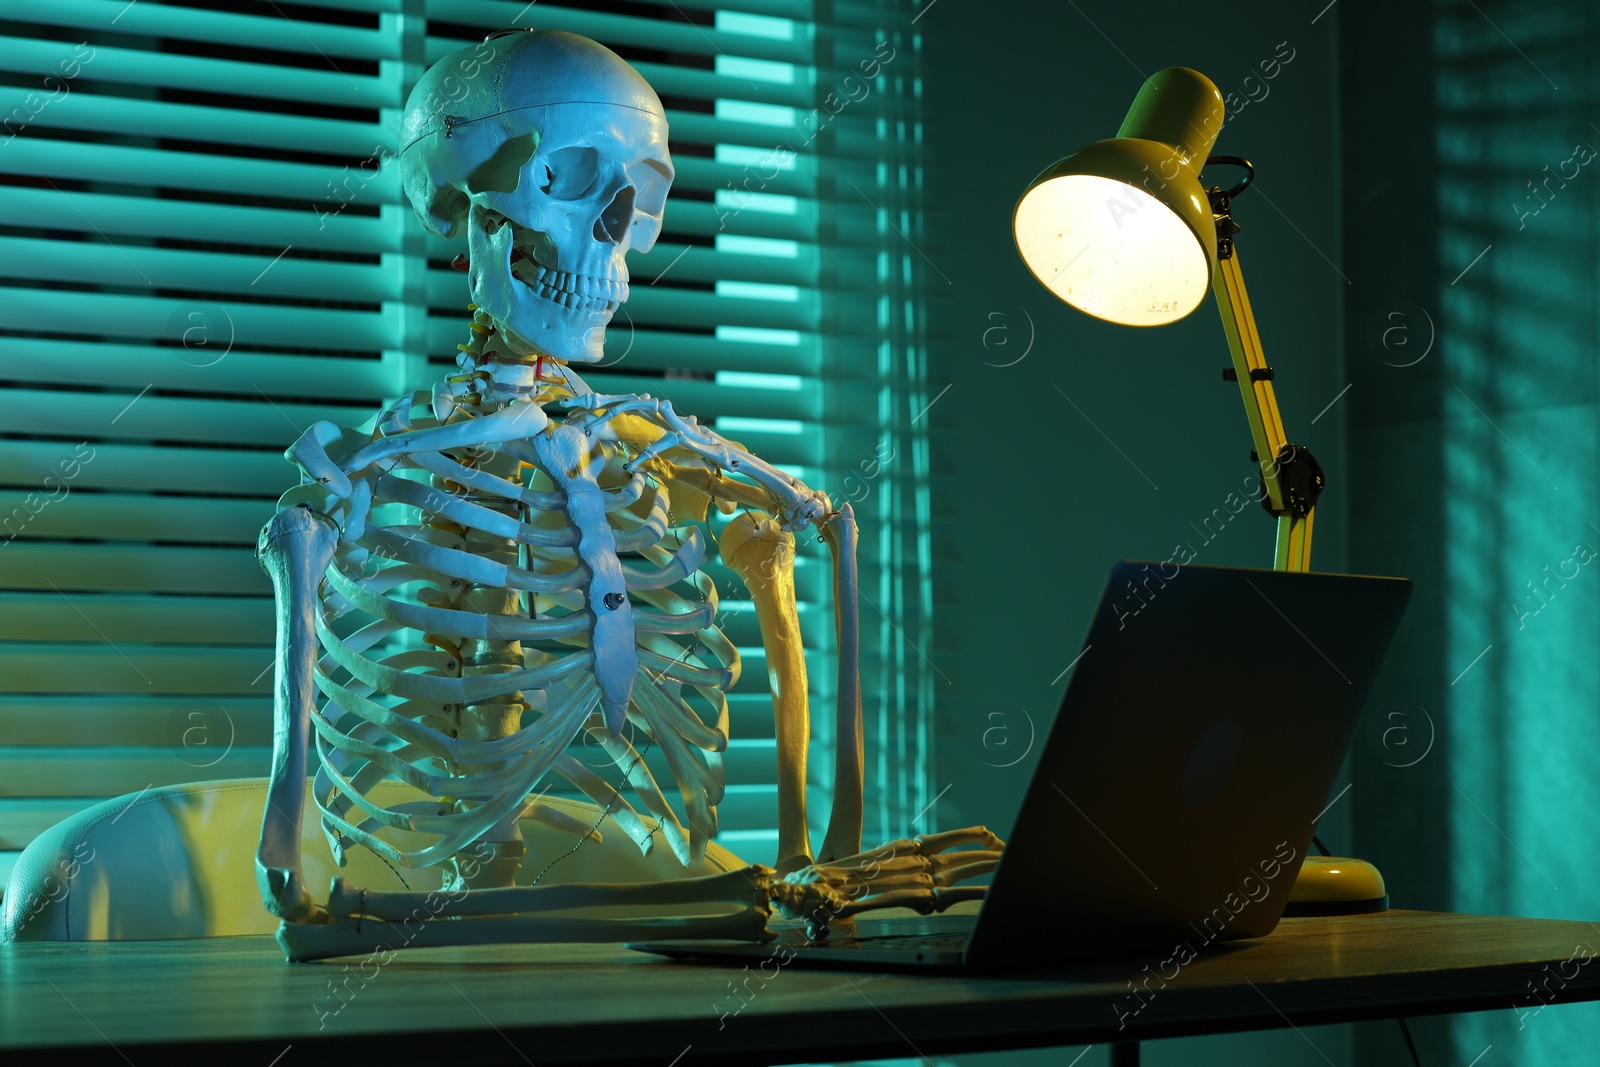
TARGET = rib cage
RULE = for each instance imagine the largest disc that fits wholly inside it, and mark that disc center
(434, 670)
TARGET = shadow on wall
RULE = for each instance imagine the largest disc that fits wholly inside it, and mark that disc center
(1471, 215)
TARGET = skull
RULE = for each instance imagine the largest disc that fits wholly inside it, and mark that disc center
(551, 152)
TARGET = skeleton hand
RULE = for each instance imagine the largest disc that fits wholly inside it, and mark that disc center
(917, 873)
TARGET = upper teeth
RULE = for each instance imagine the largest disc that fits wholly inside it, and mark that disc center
(579, 291)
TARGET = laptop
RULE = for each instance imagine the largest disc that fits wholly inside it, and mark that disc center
(1197, 744)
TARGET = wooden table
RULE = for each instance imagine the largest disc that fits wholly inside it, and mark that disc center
(235, 1001)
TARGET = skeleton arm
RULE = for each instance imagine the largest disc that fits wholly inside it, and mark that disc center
(758, 554)
(295, 549)
(762, 555)
(844, 821)
(920, 875)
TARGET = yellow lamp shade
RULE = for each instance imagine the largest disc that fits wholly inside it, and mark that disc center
(1121, 229)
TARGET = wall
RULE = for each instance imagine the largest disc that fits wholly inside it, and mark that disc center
(1066, 444)
(1473, 445)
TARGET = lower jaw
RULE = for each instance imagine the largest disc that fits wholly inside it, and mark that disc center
(580, 338)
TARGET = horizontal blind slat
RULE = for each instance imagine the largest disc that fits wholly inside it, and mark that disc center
(154, 418)
(152, 670)
(116, 315)
(708, 85)
(665, 34)
(26, 465)
(708, 219)
(90, 262)
(132, 566)
(119, 771)
(272, 31)
(703, 263)
(63, 720)
(125, 617)
(86, 111)
(703, 175)
(500, 14)
(167, 70)
(24, 818)
(113, 215)
(127, 517)
(42, 158)
(201, 359)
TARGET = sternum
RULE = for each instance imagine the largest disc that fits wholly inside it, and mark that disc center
(494, 860)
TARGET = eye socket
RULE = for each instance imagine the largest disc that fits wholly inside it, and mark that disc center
(652, 178)
(568, 173)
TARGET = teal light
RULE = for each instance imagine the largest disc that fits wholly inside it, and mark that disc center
(758, 70)
(774, 29)
(736, 200)
(759, 114)
(757, 246)
(758, 335)
(739, 379)
(1519, 428)
(729, 424)
(767, 159)
(788, 294)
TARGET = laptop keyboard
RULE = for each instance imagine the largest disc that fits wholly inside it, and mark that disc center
(956, 939)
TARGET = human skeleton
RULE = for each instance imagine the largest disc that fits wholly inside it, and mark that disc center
(525, 533)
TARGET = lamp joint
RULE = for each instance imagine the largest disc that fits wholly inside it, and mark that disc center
(1221, 199)
(1257, 374)
(1300, 479)
(1221, 208)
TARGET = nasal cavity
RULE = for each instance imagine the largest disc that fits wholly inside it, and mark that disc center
(613, 222)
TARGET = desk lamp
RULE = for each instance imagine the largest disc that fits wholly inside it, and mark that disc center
(1123, 230)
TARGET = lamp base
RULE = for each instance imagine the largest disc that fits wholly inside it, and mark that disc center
(1337, 885)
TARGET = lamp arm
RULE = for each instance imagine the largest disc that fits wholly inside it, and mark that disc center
(1291, 479)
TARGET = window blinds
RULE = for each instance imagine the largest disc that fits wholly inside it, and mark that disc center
(204, 248)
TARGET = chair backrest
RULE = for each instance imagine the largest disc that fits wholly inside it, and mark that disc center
(179, 862)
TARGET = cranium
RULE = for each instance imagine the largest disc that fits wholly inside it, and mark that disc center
(551, 152)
